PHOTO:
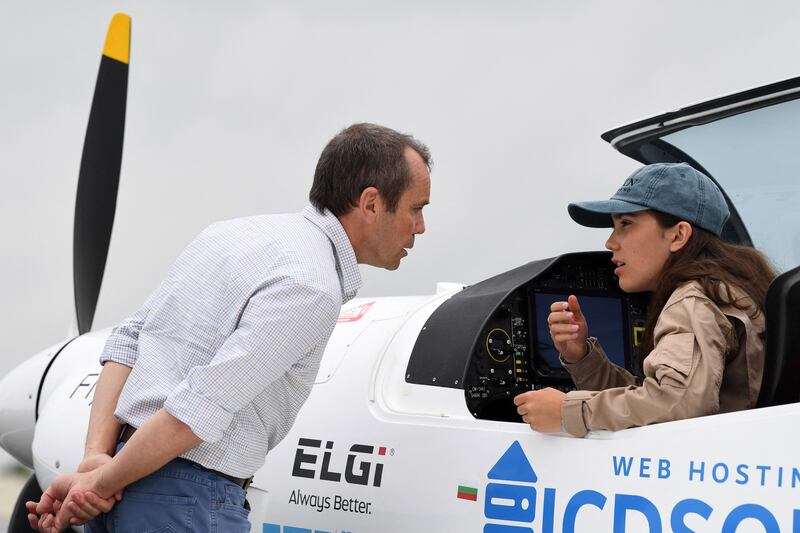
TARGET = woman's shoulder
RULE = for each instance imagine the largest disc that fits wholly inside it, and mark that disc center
(688, 289)
(693, 289)
(691, 298)
(689, 309)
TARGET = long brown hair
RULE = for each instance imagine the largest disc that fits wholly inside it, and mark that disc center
(717, 266)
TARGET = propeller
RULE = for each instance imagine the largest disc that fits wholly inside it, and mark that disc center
(98, 180)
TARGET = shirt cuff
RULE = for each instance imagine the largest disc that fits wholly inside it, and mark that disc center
(596, 355)
(123, 359)
(572, 413)
(206, 419)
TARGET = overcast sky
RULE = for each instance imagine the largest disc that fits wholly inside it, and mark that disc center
(230, 103)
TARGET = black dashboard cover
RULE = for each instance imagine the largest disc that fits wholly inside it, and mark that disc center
(442, 352)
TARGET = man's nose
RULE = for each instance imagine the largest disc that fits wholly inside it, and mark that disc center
(420, 225)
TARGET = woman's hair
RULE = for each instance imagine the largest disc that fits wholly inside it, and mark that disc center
(717, 266)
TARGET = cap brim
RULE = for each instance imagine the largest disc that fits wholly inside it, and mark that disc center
(598, 214)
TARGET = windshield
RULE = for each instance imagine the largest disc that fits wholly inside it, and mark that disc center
(754, 157)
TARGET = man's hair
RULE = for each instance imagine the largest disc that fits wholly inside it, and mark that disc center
(361, 156)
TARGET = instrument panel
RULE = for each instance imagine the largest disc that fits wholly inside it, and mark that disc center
(514, 352)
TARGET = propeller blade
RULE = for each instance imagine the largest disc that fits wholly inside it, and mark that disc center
(98, 180)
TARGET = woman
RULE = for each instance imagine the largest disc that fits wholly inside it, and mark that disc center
(704, 342)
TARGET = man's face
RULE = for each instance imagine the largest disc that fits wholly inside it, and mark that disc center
(395, 231)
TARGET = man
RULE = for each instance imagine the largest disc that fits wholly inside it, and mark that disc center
(208, 376)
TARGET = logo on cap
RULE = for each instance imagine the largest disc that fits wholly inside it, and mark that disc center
(628, 185)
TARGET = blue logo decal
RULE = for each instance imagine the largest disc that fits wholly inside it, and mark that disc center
(515, 501)
(510, 502)
(511, 497)
(513, 466)
(500, 528)
(276, 528)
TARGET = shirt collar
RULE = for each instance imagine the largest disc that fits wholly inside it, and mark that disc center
(346, 264)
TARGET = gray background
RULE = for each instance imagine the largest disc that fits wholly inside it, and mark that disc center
(230, 104)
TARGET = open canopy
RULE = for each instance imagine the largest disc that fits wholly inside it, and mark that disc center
(747, 143)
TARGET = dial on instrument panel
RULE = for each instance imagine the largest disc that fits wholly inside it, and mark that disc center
(498, 345)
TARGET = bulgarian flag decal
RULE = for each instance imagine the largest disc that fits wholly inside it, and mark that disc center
(467, 493)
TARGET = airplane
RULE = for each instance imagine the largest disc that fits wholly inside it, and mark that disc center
(410, 425)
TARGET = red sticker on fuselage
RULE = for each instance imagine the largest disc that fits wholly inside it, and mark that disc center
(354, 314)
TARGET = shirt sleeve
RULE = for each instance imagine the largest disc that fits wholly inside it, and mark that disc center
(683, 374)
(596, 372)
(279, 326)
(122, 345)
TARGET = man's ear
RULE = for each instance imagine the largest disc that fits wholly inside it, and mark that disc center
(681, 233)
(368, 203)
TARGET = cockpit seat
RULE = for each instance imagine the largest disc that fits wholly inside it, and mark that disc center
(781, 381)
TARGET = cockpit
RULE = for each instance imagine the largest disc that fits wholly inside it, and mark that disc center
(492, 338)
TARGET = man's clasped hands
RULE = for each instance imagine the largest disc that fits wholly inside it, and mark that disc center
(72, 499)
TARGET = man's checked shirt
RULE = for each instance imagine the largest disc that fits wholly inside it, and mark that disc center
(231, 341)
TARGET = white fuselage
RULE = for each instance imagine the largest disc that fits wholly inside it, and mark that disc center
(370, 452)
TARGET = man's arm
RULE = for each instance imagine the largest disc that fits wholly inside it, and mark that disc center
(122, 345)
(161, 439)
(119, 355)
(101, 440)
(279, 327)
(104, 429)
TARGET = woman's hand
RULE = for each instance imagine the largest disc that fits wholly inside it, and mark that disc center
(541, 409)
(568, 329)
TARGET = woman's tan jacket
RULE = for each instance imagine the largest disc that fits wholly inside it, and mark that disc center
(707, 359)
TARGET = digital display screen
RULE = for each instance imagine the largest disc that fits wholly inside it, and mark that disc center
(604, 316)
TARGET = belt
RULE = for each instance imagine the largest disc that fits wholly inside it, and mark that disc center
(128, 431)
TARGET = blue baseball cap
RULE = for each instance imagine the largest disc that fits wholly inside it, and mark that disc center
(673, 188)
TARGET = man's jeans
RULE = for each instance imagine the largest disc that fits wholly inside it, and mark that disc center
(180, 497)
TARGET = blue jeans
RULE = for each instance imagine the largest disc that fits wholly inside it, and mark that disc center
(182, 496)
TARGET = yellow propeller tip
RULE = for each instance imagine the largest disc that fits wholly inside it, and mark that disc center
(118, 38)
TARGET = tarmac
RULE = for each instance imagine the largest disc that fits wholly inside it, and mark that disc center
(12, 477)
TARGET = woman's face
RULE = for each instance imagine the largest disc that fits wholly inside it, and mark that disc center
(640, 247)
